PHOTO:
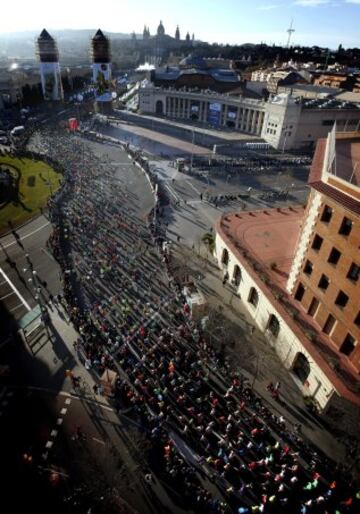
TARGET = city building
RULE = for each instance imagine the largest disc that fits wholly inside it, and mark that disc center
(297, 272)
(295, 123)
(241, 113)
(283, 78)
(284, 121)
(194, 71)
(158, 48)
(48, 55)
(325, 273)
(346, 81)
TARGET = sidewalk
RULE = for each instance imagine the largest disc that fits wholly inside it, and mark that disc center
(248, 350)
(52, 354)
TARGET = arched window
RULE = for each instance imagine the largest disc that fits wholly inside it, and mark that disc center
(253, 297)
(236, 279)
(301, 367)
(273, 325)
(159, 107)
(225, 257)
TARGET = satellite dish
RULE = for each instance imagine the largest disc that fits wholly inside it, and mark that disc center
(114, 95)
(80, 97)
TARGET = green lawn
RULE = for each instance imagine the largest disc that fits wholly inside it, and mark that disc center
(37, 182)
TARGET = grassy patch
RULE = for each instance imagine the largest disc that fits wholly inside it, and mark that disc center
(31, 181)
(37, 182)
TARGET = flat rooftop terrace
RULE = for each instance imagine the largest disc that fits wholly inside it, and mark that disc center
(348, 160)
(270, 236)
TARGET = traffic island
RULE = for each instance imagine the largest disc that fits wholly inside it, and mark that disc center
(25, 186)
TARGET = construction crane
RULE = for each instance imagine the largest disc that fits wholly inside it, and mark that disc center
(290, 31)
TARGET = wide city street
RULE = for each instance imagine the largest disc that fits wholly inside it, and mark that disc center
(183, 430)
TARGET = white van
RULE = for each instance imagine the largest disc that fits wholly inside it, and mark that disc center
(17, 131)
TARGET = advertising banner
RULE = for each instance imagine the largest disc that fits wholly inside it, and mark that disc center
(214, 113)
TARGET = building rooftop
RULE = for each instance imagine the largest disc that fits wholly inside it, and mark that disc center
(325, 90)
(173, 73)
(329, 103)
(271, 237)
(348, 160)
(337, 161)
(100, 35)
(265, 242)
(45, 36)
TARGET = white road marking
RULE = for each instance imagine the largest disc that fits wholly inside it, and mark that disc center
(59, 421)
(98, 440)
(193, 187)
(16, 308)
(173, 193)
(21, 298)
(48, 254)
(54, 433)
(49, 445)
(67, 401)
(27, 235)
(63, 412)
(7, 295)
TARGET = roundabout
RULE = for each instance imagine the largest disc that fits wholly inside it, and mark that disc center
(25, 186)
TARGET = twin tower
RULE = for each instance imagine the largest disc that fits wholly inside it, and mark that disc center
(48, 54)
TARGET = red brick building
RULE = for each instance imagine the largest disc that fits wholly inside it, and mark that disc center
(297, 272)
(325, 276)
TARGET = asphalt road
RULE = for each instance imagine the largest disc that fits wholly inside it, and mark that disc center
(193, 217)
(15, 267)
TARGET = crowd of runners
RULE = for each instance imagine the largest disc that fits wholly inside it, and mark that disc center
(211, 438)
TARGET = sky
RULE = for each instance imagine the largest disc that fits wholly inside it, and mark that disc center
(316, 22)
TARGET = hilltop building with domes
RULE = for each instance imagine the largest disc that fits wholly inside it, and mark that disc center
(157, 48)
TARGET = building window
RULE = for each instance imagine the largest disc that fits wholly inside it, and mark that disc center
(328, 123)
(346, 227)
(313, 307)
(308, 268)
(341, 299)
(317, 242)
(236, 275)
(253, 297)
(299, 292)
(225, 257)
(334, 256)
(273, 325)
(348, 345)
(329, 325)
(357, 319)
(326, 214)
(323, 282)
(354, 272)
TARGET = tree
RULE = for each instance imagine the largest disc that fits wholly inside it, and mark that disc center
(209, 240)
